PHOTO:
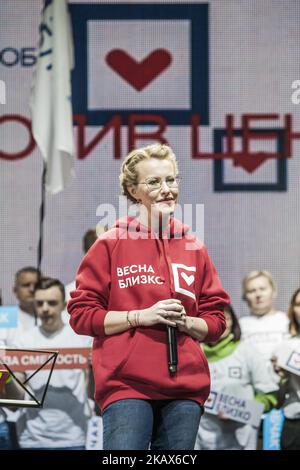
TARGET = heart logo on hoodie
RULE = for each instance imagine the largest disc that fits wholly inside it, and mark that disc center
(180, 274)
(188, 279)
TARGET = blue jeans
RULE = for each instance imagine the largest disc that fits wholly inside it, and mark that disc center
(134, 424)
(55, 448)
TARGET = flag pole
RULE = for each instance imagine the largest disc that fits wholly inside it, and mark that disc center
(42, 216)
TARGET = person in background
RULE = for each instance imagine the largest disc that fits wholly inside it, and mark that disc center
(235, 369)
(25, 282)
(290, 383)
(142, 275)
(24, 285)
(62, 422)
(88, 240)
(265, 327)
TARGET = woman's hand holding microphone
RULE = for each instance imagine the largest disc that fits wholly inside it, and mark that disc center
(167, 312)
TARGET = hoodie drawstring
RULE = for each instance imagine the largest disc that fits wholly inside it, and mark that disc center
(164, 258)
(161, 259)
(169, 264)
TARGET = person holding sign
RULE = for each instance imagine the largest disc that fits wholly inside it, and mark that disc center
(62, 422)
(238, 377)
(147, 288)
(286, 360)
(266, 327)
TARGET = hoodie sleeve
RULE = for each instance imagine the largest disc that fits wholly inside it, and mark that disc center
(212, 301)
(89, 302)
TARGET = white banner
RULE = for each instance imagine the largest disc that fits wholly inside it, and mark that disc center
(94, 436)
(52, 120)
(234, 408)
(289, 359)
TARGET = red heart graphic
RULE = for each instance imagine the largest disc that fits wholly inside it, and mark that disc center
(250, 162)
(139, 74)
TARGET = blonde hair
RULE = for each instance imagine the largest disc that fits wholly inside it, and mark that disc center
(254, 275)
(129, 175)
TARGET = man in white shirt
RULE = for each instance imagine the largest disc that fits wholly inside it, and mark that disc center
(24, 286)
(62, 422)
(265, 327)
(25, 282)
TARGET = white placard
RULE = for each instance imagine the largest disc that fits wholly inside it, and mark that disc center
(289, 359)
(9, 315)
(94, 435)
(234, 408)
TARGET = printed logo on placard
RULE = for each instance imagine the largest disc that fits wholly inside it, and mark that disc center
(294, 361)
(235, 372)
(211, 401)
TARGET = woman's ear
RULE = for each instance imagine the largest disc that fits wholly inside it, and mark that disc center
(132, 191)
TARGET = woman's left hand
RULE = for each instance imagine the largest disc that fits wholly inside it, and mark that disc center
(195, 327)
(181, 322)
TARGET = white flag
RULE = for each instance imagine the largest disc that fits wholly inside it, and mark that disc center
(51, 105)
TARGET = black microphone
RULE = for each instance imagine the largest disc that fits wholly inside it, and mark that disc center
(172, 349)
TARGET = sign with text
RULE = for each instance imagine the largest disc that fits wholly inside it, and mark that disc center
(9, 316)
(234, 408)
(272, 428)
(11, 361)
(94, 435)
(289, 359)
(68, 358)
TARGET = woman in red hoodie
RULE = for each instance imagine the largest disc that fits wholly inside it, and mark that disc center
(143, 275)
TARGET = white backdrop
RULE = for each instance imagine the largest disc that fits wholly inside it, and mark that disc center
(253, 60)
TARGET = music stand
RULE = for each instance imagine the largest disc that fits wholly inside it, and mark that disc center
(6, 369)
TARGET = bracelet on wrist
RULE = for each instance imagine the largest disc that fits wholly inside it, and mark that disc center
(128, 320)
(134, 323)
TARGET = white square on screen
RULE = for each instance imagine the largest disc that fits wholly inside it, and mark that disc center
(169, 89)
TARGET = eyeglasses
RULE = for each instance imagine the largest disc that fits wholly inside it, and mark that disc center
(153, 184)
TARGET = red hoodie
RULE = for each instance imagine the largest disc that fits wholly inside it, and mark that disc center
(126, 269)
